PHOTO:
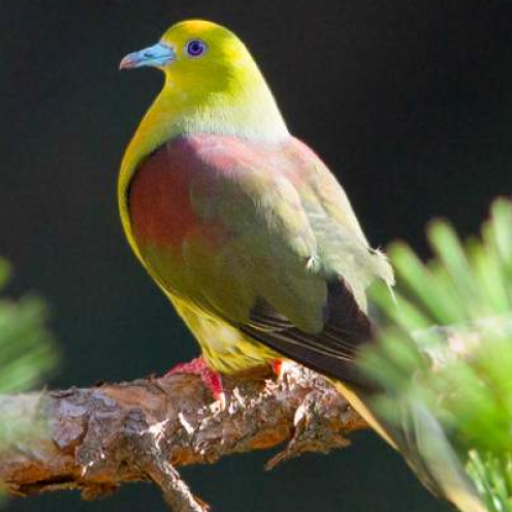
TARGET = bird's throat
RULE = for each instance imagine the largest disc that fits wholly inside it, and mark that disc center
(246, 109)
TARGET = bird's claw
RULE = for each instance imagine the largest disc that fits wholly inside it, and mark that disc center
(211, 379)
(278, 368)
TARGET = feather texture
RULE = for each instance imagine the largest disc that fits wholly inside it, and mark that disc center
(228, 225)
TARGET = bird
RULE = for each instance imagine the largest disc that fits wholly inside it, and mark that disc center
(253, 239)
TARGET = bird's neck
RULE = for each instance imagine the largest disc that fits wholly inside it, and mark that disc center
(247, 109)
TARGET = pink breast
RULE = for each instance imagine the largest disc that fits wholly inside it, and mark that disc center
(159, 200)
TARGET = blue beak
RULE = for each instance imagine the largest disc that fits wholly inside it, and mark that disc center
(156, 56)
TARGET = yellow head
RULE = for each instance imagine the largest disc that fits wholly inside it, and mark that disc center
(212, 82)
(198, 57)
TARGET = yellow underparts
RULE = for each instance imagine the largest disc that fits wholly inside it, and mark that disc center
(224, 348)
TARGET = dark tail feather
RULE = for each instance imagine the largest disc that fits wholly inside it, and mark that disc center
(333, 350)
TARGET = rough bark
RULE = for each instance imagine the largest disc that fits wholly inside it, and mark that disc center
(96, 439)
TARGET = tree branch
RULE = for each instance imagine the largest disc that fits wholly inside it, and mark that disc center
(96, 439)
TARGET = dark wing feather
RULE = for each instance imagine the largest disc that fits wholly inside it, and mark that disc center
(331, 351)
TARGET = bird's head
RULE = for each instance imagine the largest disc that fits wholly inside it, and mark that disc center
(198, 56)
(212, 85)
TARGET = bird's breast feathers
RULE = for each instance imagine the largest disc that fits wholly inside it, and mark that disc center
(175, 194)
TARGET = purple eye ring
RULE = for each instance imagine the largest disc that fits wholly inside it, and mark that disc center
(195, 48)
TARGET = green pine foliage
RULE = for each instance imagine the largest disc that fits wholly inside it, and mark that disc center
(28, 354)
(27, 350)
(462, 367)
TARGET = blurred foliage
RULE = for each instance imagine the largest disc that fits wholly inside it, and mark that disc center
(448, 343)
(27, 349)
(28, 354)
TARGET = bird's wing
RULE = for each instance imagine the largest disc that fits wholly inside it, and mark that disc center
(342, 244)
(274, 276)
(332, 350)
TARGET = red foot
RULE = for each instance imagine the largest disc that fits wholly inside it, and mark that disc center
(211, 379)
(277, 367)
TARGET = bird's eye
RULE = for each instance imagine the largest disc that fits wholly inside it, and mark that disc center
(196, 48)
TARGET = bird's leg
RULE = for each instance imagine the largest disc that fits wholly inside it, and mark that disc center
(278, 368)
(211, 379)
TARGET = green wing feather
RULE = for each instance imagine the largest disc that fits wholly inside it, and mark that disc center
(292, 271)
(268, 250)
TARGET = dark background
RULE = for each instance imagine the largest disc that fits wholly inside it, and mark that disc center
(409, 102)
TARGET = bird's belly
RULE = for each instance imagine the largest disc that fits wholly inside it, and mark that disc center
(224, 347)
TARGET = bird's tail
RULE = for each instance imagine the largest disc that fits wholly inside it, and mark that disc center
(423, 443)
(334, 352)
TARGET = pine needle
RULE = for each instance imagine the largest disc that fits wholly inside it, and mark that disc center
(462, 369)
